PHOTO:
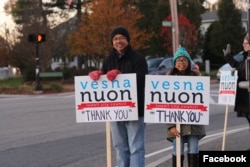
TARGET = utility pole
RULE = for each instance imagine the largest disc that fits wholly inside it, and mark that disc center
(175, 27)
(175, 39)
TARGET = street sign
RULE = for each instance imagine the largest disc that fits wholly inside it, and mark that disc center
(167, 23)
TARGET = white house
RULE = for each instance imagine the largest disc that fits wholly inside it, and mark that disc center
(58, 62)
(209, 17)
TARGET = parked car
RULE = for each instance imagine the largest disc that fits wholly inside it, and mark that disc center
(167, 64)
(153, 63)
(225, 67)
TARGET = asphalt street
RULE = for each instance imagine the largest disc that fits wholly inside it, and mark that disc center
(40, 131)
(237, 139)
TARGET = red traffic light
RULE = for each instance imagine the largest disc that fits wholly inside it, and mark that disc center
(37, 38)
(40, 38)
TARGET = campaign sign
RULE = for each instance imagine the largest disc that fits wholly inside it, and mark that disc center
(104, 100)
(177, 99)
(228, 86)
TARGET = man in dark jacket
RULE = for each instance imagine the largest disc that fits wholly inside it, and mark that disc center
(127, 136)
(242, 103)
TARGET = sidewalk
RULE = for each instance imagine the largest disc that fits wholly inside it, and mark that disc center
(235, 141)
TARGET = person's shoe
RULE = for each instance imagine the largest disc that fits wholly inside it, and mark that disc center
(174, 160)
(193, 160)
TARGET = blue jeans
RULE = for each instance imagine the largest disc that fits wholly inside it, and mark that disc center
(192, 144)
(128, 141)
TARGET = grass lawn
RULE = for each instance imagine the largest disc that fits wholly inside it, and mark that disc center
(17, 86)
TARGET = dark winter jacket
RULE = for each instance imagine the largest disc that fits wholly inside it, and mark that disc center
(129, 62)
(186, 129)
(242, 95)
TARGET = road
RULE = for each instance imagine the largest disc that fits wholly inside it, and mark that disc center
(41, 131)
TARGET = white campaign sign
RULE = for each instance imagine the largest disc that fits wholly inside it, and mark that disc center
(177, 99)
(104, 100)
(228, 86)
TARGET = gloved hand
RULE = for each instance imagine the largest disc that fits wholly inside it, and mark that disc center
(95, 75)
(111, 75)
(227, 50)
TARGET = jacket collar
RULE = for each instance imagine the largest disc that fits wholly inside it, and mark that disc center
(123, 53)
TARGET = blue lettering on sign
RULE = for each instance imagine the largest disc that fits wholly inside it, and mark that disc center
(154, 85)
(104, 84)
(185, 85)
(228, 77)
(176, 85)
(94, 85)
(83, 85)
(165, 85)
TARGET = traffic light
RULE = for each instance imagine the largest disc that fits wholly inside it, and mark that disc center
(37, 38)
(40, 38)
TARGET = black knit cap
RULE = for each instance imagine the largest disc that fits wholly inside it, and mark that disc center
(120, 30)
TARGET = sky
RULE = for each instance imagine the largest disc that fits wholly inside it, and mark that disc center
(212, 1)
(7, 22)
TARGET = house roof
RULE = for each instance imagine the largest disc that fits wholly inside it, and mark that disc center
(209, 16)
(212, 16)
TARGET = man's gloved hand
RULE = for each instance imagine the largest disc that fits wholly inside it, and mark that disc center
(111, 75)
(95, 75)
(227, 50)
